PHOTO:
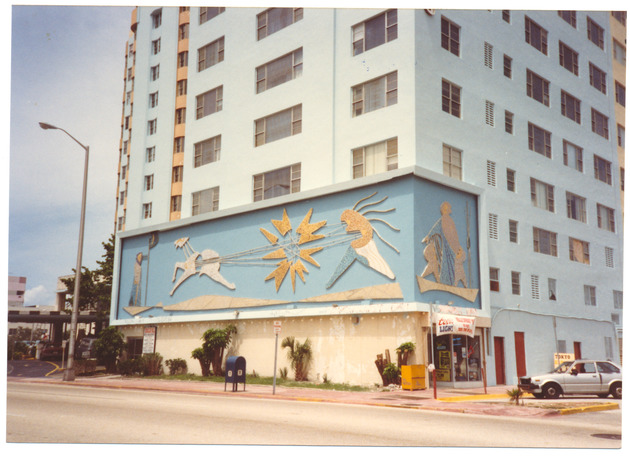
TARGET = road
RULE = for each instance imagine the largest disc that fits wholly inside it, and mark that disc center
(47, 413)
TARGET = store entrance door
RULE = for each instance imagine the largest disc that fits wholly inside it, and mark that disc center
(499, 360)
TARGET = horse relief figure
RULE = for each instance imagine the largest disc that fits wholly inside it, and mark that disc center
(207, 263)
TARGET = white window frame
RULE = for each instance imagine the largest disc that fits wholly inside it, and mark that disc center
(205, 201)
(359, 33)
(388, 159)
(213, 99)
(262, 126)
(210, 54)
(295, 177)
(207, 151)
(367, 96)
(294, 70)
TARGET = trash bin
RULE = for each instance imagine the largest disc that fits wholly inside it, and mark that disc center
(235, 372)
(412, 377)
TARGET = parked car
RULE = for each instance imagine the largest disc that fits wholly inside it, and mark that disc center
(579, 377)
(85, 349)
(52, 352)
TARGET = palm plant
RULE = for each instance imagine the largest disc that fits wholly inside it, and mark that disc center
(299, 355)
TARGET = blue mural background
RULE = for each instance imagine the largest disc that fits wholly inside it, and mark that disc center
(416, 205)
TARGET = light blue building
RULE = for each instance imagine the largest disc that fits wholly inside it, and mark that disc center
(354, 175)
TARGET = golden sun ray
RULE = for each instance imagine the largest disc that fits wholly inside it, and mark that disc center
(284, 225)
(306, 229)
(306, 255)
(279, 273)
(273, 239)
(277, 254)
(299, 268)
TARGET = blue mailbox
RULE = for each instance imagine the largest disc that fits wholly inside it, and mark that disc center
(235, 372)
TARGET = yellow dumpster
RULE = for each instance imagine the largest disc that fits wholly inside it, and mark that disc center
(413, 377)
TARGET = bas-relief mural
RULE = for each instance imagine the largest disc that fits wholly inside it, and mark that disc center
(288, 250)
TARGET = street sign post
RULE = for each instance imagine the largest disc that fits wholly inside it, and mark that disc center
(277, 328)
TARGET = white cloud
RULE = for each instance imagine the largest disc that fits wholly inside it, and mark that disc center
(38, 295)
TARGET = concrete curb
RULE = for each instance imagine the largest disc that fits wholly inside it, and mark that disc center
(588, 409)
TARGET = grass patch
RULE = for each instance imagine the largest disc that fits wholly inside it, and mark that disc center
(264, 380)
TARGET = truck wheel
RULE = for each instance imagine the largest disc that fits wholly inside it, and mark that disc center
(551, 391)
(615, 390)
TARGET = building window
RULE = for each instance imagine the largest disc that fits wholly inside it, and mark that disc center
(121, 200)
(595, 32)
(599, 123)
(278, 125)
(451, 98)
(152, 126)
(176, 203)
(597, 78)
(605, 218)
(590, 297)
(177, 174)
(535, 35)
(618, 299)
(208, 12)
(493, 226)
(375, 158)
(576, 207)
(539, 140)
(156, 18)
(579, 251)
(150, 156)
(505, 15)
(205, 201)
(489, 113)
(494, 279)
(542, 195)
(182, 87)
(507, 66)
(275, 19)
(146, 210)
(602, 170)
(210, 54)
(182, 59)
(488, 58)
(208, 151)
(545, 242)
(184, 31)
(568, 58)
(570, 107)
(374, 32)
(278, 182)
(511, 180)
(127, 122)
(178, 144)
(551, 284)
(279, 71)
(180, 116)
(622, 178)
(572, 155)
(123, 172)
(450, 36)
(620, 16)
(491, 173)
(516, 283)
(452, 162)
(535, 287)
(513, 231)
(375, 94)
(210, 102)
(569, 16)
(148, 182)
(619, 52)
(155, 72)
(620, 93)
(609, 256)
(621, 136)
(537, 88)
(153, 100)
(155, 46)
(121, 222)
(509, 122)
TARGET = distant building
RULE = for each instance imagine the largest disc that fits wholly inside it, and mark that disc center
(370, 177)
(17, 288)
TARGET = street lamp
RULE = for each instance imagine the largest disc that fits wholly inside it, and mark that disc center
(68, 374)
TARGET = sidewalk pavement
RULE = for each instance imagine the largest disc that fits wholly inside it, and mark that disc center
(491, 401)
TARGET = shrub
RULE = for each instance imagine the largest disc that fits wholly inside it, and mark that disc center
(299, 355)
(391, 373)
(151, 364)
(108, 346)
(403, 351)
(177, 366)
(129, 367)
(210, 354)
(284, 373)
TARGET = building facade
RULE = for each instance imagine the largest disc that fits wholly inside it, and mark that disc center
(357, 174)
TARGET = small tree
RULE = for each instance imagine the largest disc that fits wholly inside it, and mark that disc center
(403, 351)
(299, 355)
(108, 346)
(210, 354)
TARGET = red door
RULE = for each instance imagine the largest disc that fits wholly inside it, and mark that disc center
(577, 350)
(499, 359)
(519, 347)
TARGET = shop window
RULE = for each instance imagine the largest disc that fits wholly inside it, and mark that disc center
(457, 358)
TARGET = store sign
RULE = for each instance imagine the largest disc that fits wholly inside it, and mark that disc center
(559, 358)
(448, 324)
(148, 340)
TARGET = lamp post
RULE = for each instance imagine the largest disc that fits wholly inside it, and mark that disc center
(68, 374)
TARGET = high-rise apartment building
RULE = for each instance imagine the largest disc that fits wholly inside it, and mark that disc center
(363, 178)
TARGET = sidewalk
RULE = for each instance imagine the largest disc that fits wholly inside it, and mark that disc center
(471, 401)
